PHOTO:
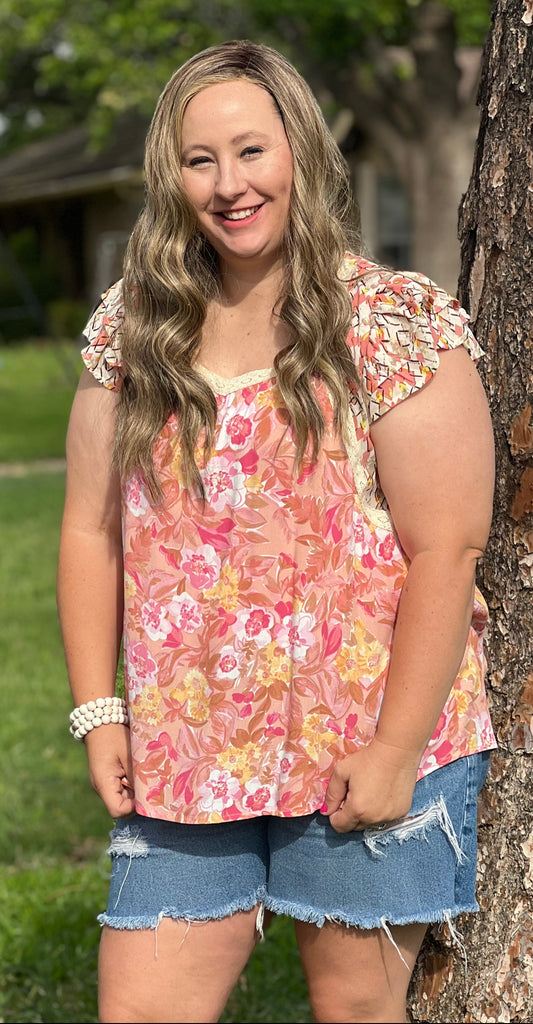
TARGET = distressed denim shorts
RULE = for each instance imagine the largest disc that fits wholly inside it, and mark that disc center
(422, 869)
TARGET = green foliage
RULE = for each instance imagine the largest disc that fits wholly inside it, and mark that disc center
(336, 31)
(24, 247)
(69, 60)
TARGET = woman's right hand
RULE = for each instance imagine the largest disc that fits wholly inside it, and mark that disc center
(110, 767)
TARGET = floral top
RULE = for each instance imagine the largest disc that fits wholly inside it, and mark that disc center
(258, 627)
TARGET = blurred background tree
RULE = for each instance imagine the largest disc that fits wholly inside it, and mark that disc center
(397, 81)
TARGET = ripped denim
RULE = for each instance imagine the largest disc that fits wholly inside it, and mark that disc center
(420, 869)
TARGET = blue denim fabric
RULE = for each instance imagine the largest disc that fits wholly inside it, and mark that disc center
(421, 869)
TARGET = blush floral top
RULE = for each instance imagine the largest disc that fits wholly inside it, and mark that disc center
(258, 627)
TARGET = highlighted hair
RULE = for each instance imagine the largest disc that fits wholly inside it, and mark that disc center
(171, 272)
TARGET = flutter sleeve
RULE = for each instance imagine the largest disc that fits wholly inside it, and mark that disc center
(102, 355)
(409, 321)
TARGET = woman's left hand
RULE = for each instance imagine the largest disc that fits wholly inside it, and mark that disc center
(372, 787)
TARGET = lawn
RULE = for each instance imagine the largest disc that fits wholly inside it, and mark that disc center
(52, 848)
(37, 382)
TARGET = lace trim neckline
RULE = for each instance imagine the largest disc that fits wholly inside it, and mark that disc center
(226, 385)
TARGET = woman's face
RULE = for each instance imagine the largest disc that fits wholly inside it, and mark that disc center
(237, 171)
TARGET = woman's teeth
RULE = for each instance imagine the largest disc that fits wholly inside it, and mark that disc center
(241, 214)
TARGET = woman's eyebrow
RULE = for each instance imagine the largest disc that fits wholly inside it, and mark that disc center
(237, 140)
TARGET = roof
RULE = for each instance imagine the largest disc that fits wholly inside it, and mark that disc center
(66, 165)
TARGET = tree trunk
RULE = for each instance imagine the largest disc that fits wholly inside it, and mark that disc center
(496, 284)
(435, 173)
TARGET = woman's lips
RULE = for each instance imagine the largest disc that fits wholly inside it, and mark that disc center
(239, 218)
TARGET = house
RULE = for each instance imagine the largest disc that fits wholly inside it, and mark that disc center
(66, 211)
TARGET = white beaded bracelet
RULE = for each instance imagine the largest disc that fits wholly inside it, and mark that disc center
(102, 711)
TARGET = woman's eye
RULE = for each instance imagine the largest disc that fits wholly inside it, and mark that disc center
(198, 161)
(251, 151)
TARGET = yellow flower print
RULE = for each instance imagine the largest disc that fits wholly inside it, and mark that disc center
(274, 667)
(254, 484)
(194, 685)
(198, 708)
(316, 735)
(270, 398)
(364, 656)
(347, 663)
(461, 702)
(195, 681)
(226, 589)
(148, 706)
(130, 587)
(239, 761)
(177, 462)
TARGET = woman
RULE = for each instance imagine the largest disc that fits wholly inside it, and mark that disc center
(303, 638)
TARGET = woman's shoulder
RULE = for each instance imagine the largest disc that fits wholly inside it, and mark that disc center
(395, 291)
(400, 324)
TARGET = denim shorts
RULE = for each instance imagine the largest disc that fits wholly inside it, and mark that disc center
(421, 869)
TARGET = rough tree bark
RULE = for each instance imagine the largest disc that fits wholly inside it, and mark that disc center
(496, 284)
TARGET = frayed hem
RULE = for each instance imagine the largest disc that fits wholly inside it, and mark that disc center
(384, 923)
(152, 921)
(319, 918)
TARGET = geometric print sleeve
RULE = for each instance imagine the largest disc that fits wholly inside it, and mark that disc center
(402, 323)
(102, 354)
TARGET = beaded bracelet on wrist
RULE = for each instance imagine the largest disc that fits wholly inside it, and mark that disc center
(102, 711)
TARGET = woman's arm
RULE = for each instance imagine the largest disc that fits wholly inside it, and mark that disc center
(90, 582)
(436, 466)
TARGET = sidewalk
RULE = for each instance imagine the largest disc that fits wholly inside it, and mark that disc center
(19, 469)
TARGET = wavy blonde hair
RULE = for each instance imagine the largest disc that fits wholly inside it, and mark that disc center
(171, 273)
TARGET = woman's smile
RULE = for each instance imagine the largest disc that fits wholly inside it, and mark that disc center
(236, 217)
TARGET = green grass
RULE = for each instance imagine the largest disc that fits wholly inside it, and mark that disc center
(53, 867)
(37, 384)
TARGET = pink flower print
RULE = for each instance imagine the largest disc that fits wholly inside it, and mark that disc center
(202, 567)
(239, 429)
(387, 546)
(272, 729)
(295, 634)
(136, 500)
(236, 429)
(218, 792)
(140, 668)
(349, 728)
(254, 624)
(225, 483)
(228, 666)
(285, 765)
(154, 620)
(186, 612)
(357, 537)
(259, 797)
(245, 699)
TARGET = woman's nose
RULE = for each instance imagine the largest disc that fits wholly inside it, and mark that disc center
(231, 181)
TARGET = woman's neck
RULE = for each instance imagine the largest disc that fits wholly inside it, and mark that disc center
(250, 284)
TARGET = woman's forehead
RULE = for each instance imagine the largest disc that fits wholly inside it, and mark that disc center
(224, 102)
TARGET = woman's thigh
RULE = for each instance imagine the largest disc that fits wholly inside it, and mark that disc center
(182, 971)
(358, 975)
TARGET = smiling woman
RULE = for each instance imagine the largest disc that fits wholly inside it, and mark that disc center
(278, 495)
